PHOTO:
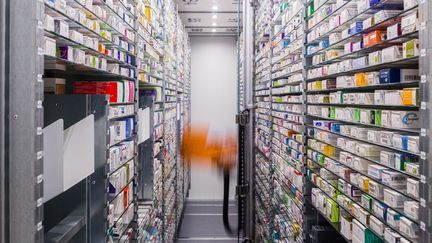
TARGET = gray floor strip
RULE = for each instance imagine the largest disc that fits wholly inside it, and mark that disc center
(207, 209)
(198, 226)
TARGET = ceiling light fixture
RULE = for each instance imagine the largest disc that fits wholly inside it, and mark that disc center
(215, 7)
(214, 16)
(213, 30)
(214, 24)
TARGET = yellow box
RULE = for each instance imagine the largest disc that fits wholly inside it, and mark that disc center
(328, 150)
(364, 183)
(360, 79)
(318, 85)
(410, 96)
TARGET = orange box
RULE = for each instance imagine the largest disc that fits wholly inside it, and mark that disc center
(410, 96)
(373, 38)
(360, 79)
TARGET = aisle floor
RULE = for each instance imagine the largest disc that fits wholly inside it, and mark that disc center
(202, 223)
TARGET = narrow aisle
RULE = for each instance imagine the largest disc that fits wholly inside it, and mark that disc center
(202, 222)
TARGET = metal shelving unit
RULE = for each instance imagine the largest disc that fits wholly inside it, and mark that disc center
(330, 46)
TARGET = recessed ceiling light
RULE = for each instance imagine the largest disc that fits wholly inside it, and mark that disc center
(214, 24)
(213, 30)
(214, 16)
(215, 7)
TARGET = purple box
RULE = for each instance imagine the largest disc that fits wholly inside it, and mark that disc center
(65, 52)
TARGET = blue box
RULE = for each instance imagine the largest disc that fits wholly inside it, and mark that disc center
(391, 75)
(335, 127)
(356, 27)
(373, 2)
(325, 43)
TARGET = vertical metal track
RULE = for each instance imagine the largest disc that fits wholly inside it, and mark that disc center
(24, 94)
(248, 138)
(425, 68)
(3, 61)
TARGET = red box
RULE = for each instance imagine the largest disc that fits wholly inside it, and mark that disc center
(113, 88)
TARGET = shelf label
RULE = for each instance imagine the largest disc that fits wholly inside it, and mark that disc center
(39, 78)
(423, 132)
(39, 179)
(422, 226)
(39, 131)
(39, 155)
(39, 202)
(423, 179)
(423, 25)
(40, 51)
(423, 79)
(423, 105)
(423, 155)
(422, 202)
(423, 52)
(39, 226)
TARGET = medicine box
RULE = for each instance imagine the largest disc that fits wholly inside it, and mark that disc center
(382, 15)
(412, 168)
(391, 75)
(61, 27)
(393, 198)
(346, 225)
(387, 158)
(358, 234)
(410, 48)
(411, 96)
(49, 23)
(360, 62)
(409, 4)
(409, 228)
(368, 22)
(380, 209)
(66, 53)
(375, 58)
(391, 236)
(50, 46)
(367, 201)
(409, 23)
(373, 38)
(413, 187)
(411, 209)
(76, 36)
(55, 85)
(393, 218)
(376, 189)
(393, 31)
(405, 119)
(376, 225)
(360, 164)
(372, 78)
(391, 54)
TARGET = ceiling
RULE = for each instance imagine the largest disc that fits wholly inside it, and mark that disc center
(209, 17)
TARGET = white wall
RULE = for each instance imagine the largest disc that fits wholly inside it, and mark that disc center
(214, 102)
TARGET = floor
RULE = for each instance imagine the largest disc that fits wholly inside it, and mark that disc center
(202, 223)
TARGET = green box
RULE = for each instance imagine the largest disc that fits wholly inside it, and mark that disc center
(377, 114)
(332, 112)
(370, 237)
(356, 115)
(367, 201)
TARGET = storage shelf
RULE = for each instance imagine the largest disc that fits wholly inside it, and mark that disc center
(367, 175)
(367, 193)
(415, 131)
(366, 141)
(369, 87)
(403, 62)
(79, 69)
